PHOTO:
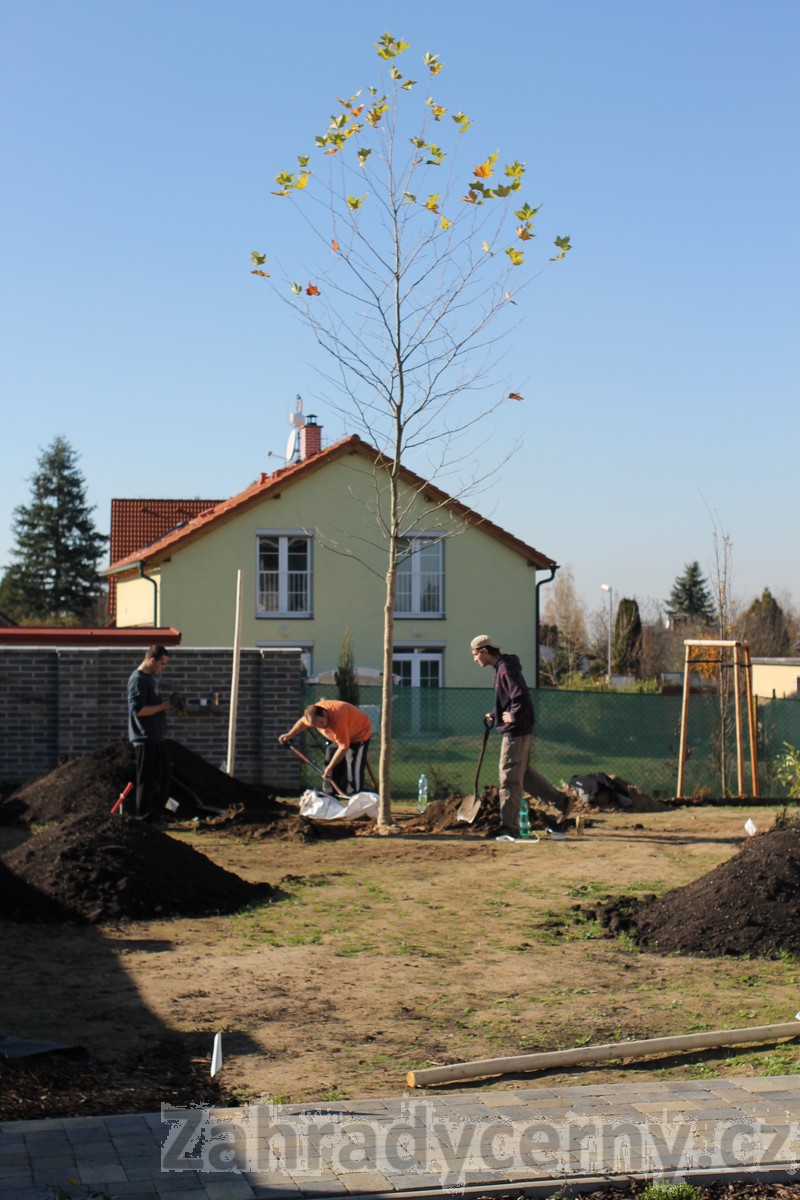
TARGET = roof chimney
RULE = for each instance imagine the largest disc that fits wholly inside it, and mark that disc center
(310, 438)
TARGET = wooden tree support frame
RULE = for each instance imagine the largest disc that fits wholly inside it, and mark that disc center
(742, 665)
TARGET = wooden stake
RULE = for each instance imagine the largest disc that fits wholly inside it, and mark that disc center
(751, 720)
(521, 1063)
(237, 645)
(738, 715)
(684, 714)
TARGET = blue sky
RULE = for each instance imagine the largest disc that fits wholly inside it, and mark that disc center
(658, 362)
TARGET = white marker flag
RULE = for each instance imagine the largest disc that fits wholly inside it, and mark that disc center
(216, 1054)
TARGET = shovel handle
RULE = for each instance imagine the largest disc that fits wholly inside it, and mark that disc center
(294, 750)
(487, 729)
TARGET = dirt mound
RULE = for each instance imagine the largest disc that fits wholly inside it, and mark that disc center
(441, 816)
(749, 905)
(103, 868)
(287, 826)
(92, 782)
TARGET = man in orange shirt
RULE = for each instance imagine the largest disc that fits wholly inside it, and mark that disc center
(348, 731)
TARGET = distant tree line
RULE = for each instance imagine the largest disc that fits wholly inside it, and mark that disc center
(575, 644)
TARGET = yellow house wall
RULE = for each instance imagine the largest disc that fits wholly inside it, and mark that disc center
(488, 587)
(135, 600)
(778, 677)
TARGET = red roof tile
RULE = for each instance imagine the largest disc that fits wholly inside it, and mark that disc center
(288, 475)
(138, 523)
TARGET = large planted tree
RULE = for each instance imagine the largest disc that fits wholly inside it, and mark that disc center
(54, 578)
(413, 256)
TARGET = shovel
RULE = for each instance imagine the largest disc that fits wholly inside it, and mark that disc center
(313, 765)
(469, 807)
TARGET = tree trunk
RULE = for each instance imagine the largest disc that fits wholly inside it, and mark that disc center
(385, 764)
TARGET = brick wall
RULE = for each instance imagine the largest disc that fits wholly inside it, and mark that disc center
(59, 702)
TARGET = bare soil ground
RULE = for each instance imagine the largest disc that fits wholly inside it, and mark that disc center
(372, 956)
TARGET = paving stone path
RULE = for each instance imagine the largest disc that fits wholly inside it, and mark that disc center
(530, 1140)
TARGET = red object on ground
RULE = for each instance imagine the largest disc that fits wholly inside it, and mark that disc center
(123, 794)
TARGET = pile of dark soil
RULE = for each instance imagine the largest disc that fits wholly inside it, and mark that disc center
(105, 868)
(74, 1085)
(286, 827)
(441, 817)
(92, 782)
(749, 905)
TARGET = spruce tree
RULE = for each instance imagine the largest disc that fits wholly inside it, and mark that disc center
(54, 578)
(690, 599)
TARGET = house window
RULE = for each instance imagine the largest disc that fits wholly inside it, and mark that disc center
(420, 668)
(284, 575)
(420, 577)
(419, 706)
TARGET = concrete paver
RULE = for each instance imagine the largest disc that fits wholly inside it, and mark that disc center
(415, 1144)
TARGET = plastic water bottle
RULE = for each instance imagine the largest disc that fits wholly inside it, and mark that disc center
(524, 819)
(422, 793)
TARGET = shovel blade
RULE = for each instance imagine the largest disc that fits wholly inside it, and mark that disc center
(468, 809)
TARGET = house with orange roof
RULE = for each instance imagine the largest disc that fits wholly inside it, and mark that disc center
(308, 541)
(138, 523)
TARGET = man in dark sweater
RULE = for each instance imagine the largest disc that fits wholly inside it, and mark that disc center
(147, 730)
(513, 717)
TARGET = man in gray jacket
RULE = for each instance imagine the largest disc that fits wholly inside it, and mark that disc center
(147, 730)
(514, 718)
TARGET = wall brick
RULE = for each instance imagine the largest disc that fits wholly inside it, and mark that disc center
(61, 702)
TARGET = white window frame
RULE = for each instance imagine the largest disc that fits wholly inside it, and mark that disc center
(282, 612)
(416, 655)
(416, 611)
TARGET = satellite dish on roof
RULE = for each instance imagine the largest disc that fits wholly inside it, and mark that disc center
(291, 445)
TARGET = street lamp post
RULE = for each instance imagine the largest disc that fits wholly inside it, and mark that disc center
(608, 588)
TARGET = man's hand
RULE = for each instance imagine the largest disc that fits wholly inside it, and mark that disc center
(284, 738)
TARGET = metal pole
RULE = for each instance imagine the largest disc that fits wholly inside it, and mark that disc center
(537, 669)
(606, 587)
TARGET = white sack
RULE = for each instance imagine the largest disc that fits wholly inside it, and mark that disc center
(323, 807)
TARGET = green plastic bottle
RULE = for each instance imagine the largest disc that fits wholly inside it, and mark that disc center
(524, 819)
